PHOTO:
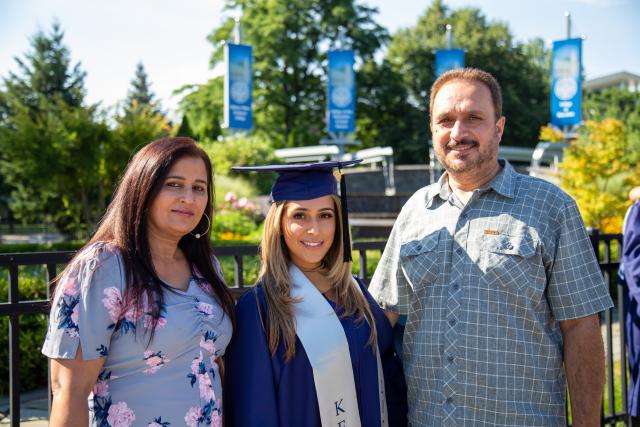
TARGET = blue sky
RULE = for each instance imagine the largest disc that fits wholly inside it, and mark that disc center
(169, 37)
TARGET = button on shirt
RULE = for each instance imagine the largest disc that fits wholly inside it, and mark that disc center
(484, 286)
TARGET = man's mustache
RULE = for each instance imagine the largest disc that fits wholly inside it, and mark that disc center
(466, 141)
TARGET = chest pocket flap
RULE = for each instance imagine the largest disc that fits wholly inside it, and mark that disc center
(417, 247)
(521, 245)
(420, 263)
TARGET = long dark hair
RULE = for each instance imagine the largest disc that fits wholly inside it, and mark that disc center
(124, 225)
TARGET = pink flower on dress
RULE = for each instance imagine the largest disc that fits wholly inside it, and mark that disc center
(206, 309)
(134, 313)
(206, 287)
(70, 288)
(154, 360)
(206, 389)
(193, 416)
(101, 389)
(216, 419)
(148, 321)
(161, 322)
(195, 364)
(208, 345)
(120, 415)
(74, 316)
(112, 301)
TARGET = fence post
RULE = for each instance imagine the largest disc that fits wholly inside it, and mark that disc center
(14, 350)
(594, 236)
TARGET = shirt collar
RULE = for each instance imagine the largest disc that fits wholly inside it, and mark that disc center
(502, 184)
(441, 188)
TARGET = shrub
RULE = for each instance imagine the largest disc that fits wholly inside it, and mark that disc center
(242, 151)
(236, 184)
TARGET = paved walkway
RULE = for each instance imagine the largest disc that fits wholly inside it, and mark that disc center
(34, 409)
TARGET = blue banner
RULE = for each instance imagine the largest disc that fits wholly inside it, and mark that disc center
(341, 96)
(448, 59)
(238, 85)
(566, 82)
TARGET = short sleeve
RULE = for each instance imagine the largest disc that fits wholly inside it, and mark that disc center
(576, 287)
(86, 305)
(389, 287)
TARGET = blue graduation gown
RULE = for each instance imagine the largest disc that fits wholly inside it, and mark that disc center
(264, 390)
(631, 302)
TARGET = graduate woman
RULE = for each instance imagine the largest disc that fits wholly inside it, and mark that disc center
(311, 347)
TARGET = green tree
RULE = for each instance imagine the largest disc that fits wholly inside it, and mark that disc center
(45, 73)
(518, 67)
(50, 143)
(290, 39)
(617, 104)
(598, 170)
(50, 160)
(138, 122)
(134, 128)
(202, 109)
(386, 117)
(140, 93)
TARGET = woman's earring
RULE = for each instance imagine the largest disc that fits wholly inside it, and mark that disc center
(198, 235)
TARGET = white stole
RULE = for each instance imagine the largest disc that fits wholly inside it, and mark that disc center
(326, 346)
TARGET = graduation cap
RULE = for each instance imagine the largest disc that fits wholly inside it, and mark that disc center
(306, 181)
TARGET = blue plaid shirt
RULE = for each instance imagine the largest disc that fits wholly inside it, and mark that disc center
(484, 286)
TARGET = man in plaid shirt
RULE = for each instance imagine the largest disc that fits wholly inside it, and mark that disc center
(498, 278)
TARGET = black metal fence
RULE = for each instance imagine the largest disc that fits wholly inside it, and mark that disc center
(606, 245)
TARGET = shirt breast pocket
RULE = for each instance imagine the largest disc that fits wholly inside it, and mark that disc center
(419, 260)
(510, 262)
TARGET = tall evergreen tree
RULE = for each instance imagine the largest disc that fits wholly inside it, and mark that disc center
(140, 93)
(46, 74)
(50, 142)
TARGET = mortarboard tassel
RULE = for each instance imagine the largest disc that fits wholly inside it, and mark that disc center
(346, 240)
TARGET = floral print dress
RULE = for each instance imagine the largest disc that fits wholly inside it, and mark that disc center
(172, 380)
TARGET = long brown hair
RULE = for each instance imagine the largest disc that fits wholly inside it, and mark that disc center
(124, 225)
(277, 285)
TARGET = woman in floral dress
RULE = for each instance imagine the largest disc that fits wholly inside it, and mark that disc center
(141, 315)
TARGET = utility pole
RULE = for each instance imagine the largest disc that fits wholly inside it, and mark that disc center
(567, 22)
(237, 31)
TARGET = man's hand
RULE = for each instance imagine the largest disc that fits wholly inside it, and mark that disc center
(584, 365)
